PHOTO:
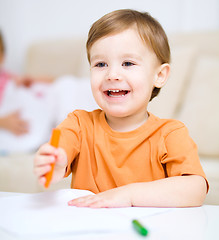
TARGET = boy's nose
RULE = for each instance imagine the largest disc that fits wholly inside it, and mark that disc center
(113, 73)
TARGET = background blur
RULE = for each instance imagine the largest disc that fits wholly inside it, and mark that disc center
(25, 21)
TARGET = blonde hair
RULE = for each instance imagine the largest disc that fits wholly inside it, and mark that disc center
(149, 29)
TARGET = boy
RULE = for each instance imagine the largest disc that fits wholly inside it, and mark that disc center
(126, 155)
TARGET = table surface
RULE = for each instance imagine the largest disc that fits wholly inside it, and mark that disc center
(179, 223)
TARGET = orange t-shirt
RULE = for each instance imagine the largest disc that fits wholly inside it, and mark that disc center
(101, 158)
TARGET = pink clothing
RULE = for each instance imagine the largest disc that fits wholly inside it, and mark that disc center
(4, 78)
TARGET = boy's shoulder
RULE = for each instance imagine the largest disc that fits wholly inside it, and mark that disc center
(166, 124)
(88, 114)
(85, 116)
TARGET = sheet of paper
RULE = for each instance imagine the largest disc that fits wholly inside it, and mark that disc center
(47, 214)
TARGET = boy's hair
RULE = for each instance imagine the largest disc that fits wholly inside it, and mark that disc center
(2, 45)
(149, 29)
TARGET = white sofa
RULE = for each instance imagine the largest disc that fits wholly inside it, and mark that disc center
(191, 95)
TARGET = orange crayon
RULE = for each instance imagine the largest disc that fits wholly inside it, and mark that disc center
(54, 141)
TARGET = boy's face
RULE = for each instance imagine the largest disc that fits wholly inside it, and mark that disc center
(123, 70)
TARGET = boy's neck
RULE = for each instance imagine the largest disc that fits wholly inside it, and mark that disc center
(126, 124)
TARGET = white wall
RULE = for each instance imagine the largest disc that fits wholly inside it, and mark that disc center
(25, 21)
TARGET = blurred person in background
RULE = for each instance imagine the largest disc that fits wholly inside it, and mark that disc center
(31, 106)
(10, 121)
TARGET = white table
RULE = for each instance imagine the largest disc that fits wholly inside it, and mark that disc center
(201, 223)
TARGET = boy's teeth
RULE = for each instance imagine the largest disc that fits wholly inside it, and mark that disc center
(114, 90)
(117, 93)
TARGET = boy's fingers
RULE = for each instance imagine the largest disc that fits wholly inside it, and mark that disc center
(41, 171)
(42, 181)
(43, 160)
(61, 157)
(97, 204)
(47, 149)
(82, 201)
(47, 154)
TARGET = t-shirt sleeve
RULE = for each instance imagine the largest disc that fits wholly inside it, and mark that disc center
(180, 154)
(70, 139)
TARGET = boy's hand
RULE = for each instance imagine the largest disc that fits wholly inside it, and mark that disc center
(117, 197)
(46, 155)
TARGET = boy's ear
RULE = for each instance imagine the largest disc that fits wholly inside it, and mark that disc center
(162, 75)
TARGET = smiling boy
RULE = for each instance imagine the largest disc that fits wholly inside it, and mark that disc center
(123, 74)
(126, 155)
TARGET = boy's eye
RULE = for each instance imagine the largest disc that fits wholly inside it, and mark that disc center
(101, 64)
(127, 64)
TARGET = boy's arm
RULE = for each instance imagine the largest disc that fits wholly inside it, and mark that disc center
(179, 191)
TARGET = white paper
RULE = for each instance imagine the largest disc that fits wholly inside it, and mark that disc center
(47, 214)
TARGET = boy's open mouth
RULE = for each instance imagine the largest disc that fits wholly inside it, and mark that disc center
(116, 93)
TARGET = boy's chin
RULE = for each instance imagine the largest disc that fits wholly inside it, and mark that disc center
(117, 113)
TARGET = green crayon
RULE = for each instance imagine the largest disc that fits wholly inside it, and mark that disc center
(139, 227)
